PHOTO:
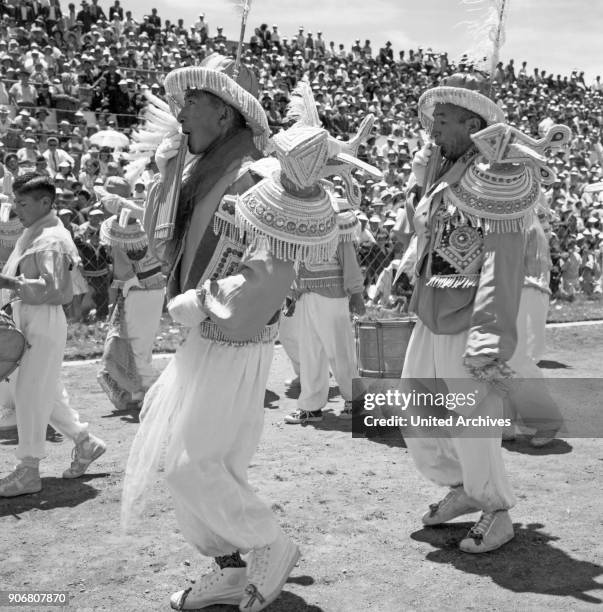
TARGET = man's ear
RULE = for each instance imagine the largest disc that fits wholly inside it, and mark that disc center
(474, 125)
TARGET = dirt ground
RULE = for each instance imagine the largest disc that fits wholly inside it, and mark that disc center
(353, 506)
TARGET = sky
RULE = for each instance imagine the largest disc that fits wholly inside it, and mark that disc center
(554, 35)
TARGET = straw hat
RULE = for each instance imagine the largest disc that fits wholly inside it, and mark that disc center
(215, 74)
(466, 90)
(130, 238)
(10, 232)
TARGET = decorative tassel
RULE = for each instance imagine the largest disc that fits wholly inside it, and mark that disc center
(225, 227)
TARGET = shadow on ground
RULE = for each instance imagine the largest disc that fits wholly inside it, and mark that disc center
(521, 444)
(547, 364)
(128, 415)
(271, 399)
(527, 564)
(55, 493)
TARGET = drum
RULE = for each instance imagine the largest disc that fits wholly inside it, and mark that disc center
(12, 346)
(381, 346)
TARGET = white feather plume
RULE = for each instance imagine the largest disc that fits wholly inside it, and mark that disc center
(242, 6)
(302, 107)
(158, 123)
(487, 31)
(133, 171)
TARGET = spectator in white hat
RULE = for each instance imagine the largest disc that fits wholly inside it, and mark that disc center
(27, 155)
(54, 155)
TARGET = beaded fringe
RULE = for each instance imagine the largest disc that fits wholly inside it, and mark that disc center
(126, 244)
(224, 227)
(349, 234)
(289, 249)
(496, 226)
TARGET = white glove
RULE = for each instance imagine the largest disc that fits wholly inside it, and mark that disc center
(420, 162)
(167, 150)
(186, 309)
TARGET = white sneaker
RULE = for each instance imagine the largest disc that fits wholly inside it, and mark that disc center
(269, 569)
(456, 503)
(222, 586)
(489, 533)
(298, 417)
(24, 480)
(84, 452)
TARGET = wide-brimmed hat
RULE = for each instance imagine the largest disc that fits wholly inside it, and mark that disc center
(467, 90)
(10, 231)
(132, 237)
(215, 74)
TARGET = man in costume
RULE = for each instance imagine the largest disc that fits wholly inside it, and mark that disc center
(229, 293)
(10, 230)
(323, 296)
(127, 366)
(469, 275)
(36, 280)
(529, 397)
(231, 264)
(95, 263)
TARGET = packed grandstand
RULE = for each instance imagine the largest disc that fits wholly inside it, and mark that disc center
(68, 74)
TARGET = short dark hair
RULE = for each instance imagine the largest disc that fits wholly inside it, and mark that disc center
(34, 183)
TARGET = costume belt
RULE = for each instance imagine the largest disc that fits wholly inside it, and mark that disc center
(95, 273)
(209, 330)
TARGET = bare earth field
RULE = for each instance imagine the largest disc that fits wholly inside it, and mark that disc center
(353, 505)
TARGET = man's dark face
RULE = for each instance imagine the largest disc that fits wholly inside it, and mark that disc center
(451, 131)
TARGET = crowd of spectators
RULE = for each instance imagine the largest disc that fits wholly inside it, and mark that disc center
(69, 72)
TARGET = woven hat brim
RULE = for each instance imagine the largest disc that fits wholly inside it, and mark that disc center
(205, 79)
(465, 98)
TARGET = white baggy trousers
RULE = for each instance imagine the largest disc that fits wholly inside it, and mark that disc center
(474, 462)
(143, 314)
(220, 389)
(288, 335)
(325, 340)
(530, 398)
(35, 388)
